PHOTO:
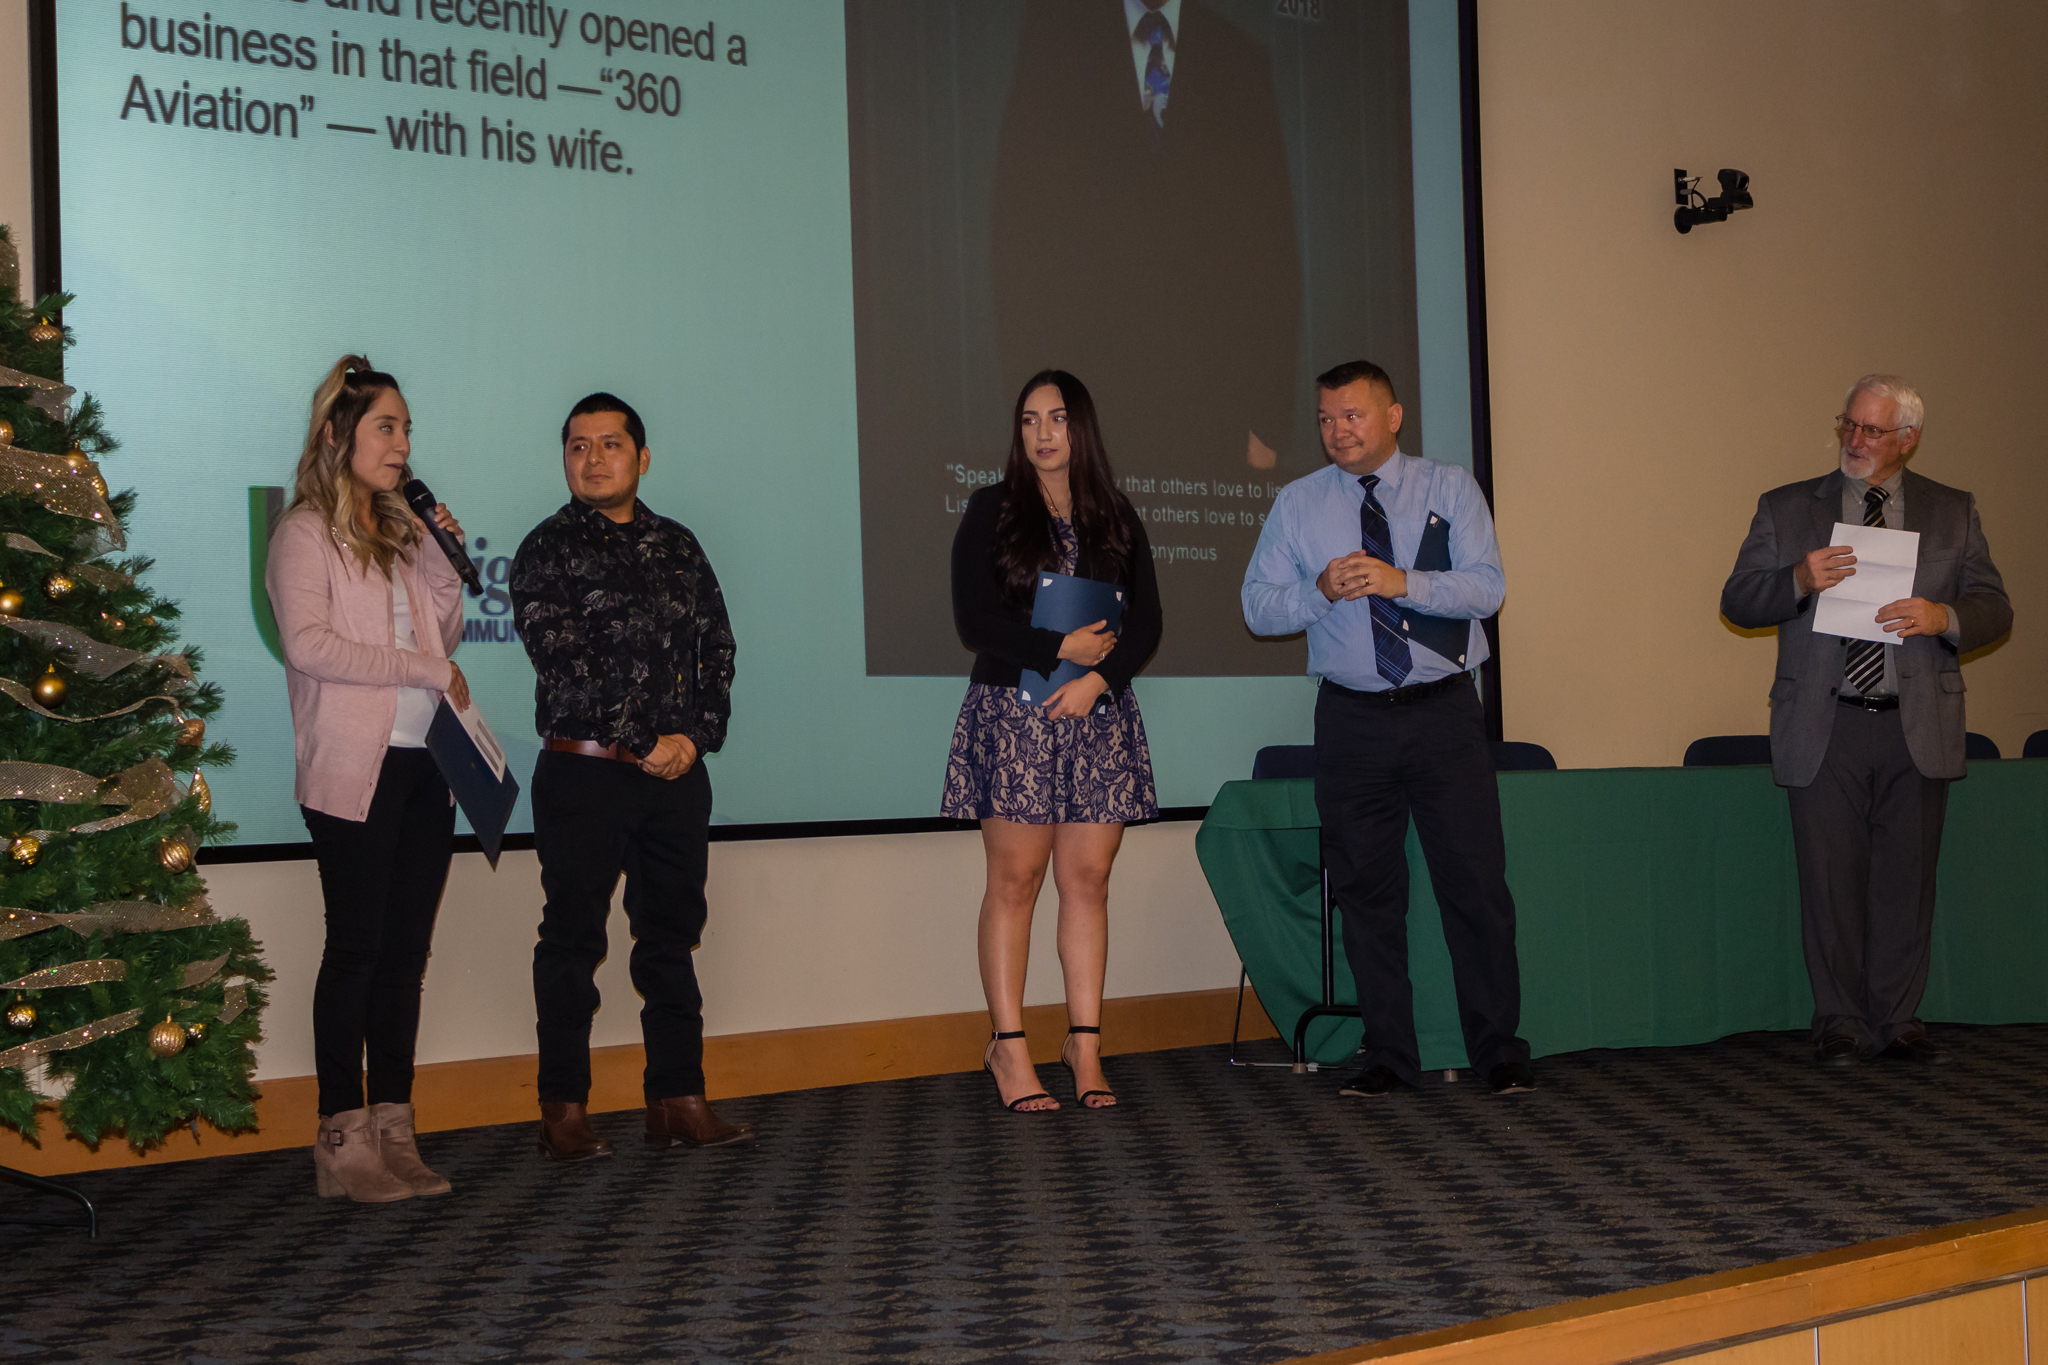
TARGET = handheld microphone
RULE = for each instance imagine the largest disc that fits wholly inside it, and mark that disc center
(422, 501)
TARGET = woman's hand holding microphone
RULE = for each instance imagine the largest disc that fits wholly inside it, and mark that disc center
(458, 686)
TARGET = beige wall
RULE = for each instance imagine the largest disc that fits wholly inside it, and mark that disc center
(1647, 386)
(803, 932)
(15, 196)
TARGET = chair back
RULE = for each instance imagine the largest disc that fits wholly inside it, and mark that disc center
(1520, 756)
(2036, 746)
(1728, 751)
(1284, 760)
(1977, 748)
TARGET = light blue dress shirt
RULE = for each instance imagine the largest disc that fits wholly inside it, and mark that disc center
(1315, 520)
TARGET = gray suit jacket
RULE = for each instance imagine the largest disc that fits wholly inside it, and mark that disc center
(1955, 569)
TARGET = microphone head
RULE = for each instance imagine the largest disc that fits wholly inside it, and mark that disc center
(420, 498)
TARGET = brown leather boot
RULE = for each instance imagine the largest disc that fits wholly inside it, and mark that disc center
(688, 1121)
(346, 1161)
(401, 1153)
(566, 1135)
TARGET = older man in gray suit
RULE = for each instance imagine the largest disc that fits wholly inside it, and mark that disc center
(1866, 737)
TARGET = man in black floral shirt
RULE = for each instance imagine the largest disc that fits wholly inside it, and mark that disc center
(622, 617)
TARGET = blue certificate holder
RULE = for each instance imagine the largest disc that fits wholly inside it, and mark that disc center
(1065, 604)
(471, 760)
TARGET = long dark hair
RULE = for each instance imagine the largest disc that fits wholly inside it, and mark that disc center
(1024, 540)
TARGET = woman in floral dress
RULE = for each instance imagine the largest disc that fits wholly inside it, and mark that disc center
(1057, 781)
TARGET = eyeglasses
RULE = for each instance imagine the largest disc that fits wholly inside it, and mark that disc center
(1849, 431)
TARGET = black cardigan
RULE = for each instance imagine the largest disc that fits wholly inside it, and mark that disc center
(1002, 636)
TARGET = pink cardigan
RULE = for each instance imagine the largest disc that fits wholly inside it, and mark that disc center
(342, 667)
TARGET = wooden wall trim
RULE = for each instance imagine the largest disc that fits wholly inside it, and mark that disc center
(1670, 1321)
(501, 1089)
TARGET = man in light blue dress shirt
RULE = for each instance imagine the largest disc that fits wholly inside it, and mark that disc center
(1399, 728)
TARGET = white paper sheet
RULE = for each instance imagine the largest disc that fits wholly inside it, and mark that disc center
(1885, 560)
(480, 735)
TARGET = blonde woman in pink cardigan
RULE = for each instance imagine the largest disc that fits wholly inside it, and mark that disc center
(367, 615)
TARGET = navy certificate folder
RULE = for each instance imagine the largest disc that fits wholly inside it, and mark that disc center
(1444, 635)
(475, 769)
(1065, 604)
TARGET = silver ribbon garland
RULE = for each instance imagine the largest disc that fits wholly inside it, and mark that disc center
(99, 575)
(47, 394)
(22, 695)
(70, 974)
(94, 658)
(148, 790)
(120, 917)
(78, 1037)
(53, 482)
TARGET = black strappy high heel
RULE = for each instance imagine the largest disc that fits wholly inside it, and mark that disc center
(988, 1059)
(1080, 1096)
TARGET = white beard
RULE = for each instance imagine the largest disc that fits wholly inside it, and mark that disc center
(1858, 467)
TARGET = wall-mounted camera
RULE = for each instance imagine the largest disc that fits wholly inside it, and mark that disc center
(1694, 208)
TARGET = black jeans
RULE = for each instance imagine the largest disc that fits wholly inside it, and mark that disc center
(1375, 765)
(594, 818)
(381, 878)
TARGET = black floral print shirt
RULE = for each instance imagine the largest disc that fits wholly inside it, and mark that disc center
(626, 628)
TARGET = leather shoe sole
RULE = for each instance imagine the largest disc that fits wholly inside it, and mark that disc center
(1511, 1078)
(1836, 1051)
(1372, 1083)
(1921, 1050)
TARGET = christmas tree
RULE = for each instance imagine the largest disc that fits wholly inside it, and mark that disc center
(123, 994)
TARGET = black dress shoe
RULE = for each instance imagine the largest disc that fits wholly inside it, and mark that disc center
(1373, 1082)
(1512, 1078)
(1836, 1050)
(1918, 1048)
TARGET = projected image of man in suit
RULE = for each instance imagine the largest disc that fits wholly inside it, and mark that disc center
(1143, 234)
(1866, 736)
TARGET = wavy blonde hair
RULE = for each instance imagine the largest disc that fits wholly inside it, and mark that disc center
(325, 482)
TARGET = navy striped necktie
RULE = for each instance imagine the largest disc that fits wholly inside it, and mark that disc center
(1390, 654)
(1865, 665)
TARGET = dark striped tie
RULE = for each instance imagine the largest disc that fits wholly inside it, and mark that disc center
(1865, 668)
(1389, 649)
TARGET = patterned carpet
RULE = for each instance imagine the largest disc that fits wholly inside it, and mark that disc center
(1221, 1214)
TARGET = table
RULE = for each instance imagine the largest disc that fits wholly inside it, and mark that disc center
(1655, 907)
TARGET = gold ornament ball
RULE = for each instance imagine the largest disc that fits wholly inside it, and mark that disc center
(167, 1039)
(118, 624)
(203, 792)
(26, 850)
(45, 332)
(174, 854)
(6, 432)
(192, 733)
(58, 586)
(49, 689)
(74, 459)
(99, 484)
(195, 1033)
(11, 603)
(21, 1016)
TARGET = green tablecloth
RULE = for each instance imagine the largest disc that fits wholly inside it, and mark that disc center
(1655, 906)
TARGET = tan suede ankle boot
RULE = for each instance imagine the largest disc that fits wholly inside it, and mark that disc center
(401, 1152)
(346, 1161)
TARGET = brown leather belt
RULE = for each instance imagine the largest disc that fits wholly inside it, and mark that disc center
(590, 748)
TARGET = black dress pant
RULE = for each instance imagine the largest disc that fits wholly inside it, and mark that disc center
(1867, 834)
(594, 818)
(1376, 765)
(381, 878)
